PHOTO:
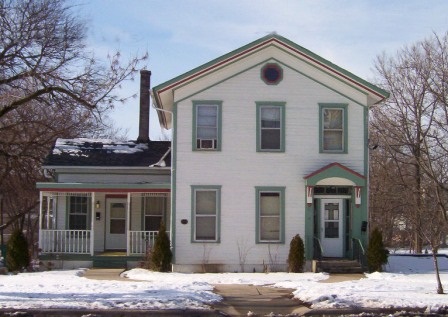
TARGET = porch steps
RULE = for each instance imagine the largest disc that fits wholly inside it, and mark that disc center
(110, 262)
(342, 266)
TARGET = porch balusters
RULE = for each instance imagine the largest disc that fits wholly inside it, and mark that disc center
(140, 241)
(66, 241)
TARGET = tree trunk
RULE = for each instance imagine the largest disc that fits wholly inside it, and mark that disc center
(418, 244)
(436, 267)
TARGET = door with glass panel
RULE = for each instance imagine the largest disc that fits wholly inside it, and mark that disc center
(331, 227)
(116, 224)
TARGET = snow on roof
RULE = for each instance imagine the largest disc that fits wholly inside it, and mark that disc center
(106, 152)
(75, 146)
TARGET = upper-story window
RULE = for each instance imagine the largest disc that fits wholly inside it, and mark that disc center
(333, 128)
(207, 125)
(270, 126)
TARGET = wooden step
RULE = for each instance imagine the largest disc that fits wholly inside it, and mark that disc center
(339, 266)
(109, 262)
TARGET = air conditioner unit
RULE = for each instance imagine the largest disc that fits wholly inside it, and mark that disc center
(206, 144)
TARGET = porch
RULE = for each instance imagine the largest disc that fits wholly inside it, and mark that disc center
(81, 223)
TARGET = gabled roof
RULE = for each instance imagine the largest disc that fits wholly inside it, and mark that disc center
(335, 170)
(163, 93)
(108, 153)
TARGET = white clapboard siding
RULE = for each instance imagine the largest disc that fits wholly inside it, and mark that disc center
(238, 168)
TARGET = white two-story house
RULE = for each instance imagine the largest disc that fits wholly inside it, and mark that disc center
(269, 141)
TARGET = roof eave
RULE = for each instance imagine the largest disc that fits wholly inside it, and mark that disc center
(377, 93)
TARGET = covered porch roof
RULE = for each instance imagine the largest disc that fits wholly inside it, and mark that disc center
(335, 174)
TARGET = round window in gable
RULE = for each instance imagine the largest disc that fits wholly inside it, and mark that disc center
(272, 74)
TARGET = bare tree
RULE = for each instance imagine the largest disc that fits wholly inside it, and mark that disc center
(411, 131)
(405, 123)
(43, 57)
(50, 86)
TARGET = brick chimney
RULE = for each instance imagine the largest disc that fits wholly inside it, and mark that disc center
(143, 124)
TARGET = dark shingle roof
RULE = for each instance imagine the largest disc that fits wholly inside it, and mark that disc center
(104, 152)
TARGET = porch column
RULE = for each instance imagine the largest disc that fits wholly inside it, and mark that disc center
(40, 216)
(128, 224)
(358, 195)
(92, 224)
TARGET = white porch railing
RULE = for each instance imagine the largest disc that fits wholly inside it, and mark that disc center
(140, 241)
(65, 241)
(79, 241)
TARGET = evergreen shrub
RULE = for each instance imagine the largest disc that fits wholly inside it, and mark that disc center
(376, 252)
(17, 254)
(296, 256)
(160, 257)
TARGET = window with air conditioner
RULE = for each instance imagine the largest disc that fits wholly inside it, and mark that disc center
(206, 130)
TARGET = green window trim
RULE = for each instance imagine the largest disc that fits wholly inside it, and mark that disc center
(209, 144)
(270, 190)
(336, 106)
(271, 104)
(217, 190)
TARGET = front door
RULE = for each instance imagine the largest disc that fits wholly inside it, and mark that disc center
(116, 224)
(331, 227)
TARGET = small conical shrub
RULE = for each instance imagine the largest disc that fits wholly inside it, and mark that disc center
(376, 253)
(161, 252)
(296, 257)
(17, 254)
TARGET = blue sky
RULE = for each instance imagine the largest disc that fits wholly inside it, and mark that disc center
(182, 34)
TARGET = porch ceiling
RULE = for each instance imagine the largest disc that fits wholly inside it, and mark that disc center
(102, 187)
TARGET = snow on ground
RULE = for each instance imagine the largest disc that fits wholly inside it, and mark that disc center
(409, 282)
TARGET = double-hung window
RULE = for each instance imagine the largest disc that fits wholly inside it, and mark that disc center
(78, 210)
(154, 212)
(270, 213)
(207, 125)
(206, 202)
(270, 126)
(333, 128)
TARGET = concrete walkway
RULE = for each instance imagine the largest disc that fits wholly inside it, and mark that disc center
(106, 274)
(241, 299)
(337, 278)
(250, 300)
